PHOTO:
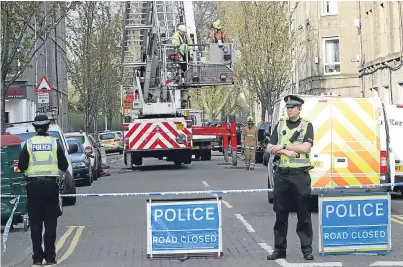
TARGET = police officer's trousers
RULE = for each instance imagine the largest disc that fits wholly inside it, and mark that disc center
(296, 183)
(43, 208)
(250, 156)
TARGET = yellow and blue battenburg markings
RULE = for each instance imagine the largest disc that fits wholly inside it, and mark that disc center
(355, 223)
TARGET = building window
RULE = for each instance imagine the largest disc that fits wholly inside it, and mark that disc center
(329, 8)
(331, 55)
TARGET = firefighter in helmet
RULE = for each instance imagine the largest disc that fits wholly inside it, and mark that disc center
(218, 34)
(249, 140)
(181, 40)
(40, 160)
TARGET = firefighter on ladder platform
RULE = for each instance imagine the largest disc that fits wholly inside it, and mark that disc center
(218, 34)
(249, 140)
(180, 40)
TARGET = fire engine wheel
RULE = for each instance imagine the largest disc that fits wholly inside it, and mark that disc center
(206, 155)
(137, 160)
(177, 162)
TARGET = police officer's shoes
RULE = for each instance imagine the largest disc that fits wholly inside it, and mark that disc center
(308, 257)
(51, 262)
(247, 168)
(276, 255)
(37, 263)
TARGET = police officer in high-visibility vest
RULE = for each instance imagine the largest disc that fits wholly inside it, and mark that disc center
(249, 140)
(41, 159)
(292, 140)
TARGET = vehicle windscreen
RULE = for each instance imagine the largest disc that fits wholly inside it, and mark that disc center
(108, 136)
(79, 138)
(72, 141)
(119, 134)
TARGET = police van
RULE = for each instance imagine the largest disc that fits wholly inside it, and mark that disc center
(350, 142)
(25, 130)
(394, 116)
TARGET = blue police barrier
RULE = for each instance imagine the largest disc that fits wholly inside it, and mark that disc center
(184, 227)
(355, 223)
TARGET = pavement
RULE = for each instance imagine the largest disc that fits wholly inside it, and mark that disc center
(111, 231)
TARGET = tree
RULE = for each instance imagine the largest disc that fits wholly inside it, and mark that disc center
(25, 28)
(266, 42)
(94, 58)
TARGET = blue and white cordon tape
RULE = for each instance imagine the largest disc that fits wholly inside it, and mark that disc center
(212, 192)
(14, 201)
(209, 192)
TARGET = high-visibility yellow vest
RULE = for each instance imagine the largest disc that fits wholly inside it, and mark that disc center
(285, 161)
(42, 152)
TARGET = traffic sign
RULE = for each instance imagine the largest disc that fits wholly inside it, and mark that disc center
(44, 86)
(43, 98)
(183, 226)
(355, 223)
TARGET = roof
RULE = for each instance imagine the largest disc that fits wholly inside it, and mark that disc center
(28, 128)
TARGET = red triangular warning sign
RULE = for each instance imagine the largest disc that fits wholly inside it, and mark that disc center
(43, 86)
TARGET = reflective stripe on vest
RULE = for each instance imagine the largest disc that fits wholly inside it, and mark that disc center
(42, 152)
(285, 161)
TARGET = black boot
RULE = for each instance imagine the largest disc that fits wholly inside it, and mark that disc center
(276, 255)
(308, 257)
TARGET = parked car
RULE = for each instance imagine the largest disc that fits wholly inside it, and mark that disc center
(262, 156)
(25, 130)
(101, 153)
(82, 170)
(111, 142)
(89, 147)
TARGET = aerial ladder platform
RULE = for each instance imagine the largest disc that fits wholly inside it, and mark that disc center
(155, 99)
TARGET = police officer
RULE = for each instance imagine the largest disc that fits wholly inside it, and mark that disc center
(41, 158)
(292, 140)
(249, 141)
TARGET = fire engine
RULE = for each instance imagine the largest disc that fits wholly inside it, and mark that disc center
(156, 84)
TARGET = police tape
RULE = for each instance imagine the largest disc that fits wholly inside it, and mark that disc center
(9, 222)
(216, 192)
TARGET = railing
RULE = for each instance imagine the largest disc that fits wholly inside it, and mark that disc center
(205, 65)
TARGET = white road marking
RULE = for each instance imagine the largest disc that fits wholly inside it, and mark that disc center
(205, 184)
(387, 263)
(284, 263)
(245, 223)
(223, 201)
(227, 204)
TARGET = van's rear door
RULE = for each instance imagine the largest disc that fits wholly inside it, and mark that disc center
(355, 142)
(317, 111)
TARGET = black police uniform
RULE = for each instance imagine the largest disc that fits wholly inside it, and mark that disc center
(294, 182)
(43, 204)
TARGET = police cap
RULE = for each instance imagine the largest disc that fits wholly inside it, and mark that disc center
(41, 120)
(293, 101)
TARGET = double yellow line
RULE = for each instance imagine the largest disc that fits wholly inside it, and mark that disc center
(73, 243)
(397, 219)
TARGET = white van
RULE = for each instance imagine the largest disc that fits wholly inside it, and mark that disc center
(350, 142)
(394, 115)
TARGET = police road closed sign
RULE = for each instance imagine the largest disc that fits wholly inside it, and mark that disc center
(184, 226)
(355, 224)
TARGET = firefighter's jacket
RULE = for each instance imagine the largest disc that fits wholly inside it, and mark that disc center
(249, 137)
(180, 41)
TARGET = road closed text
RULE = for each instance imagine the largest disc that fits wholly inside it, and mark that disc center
(359, 234)
(185, 238)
